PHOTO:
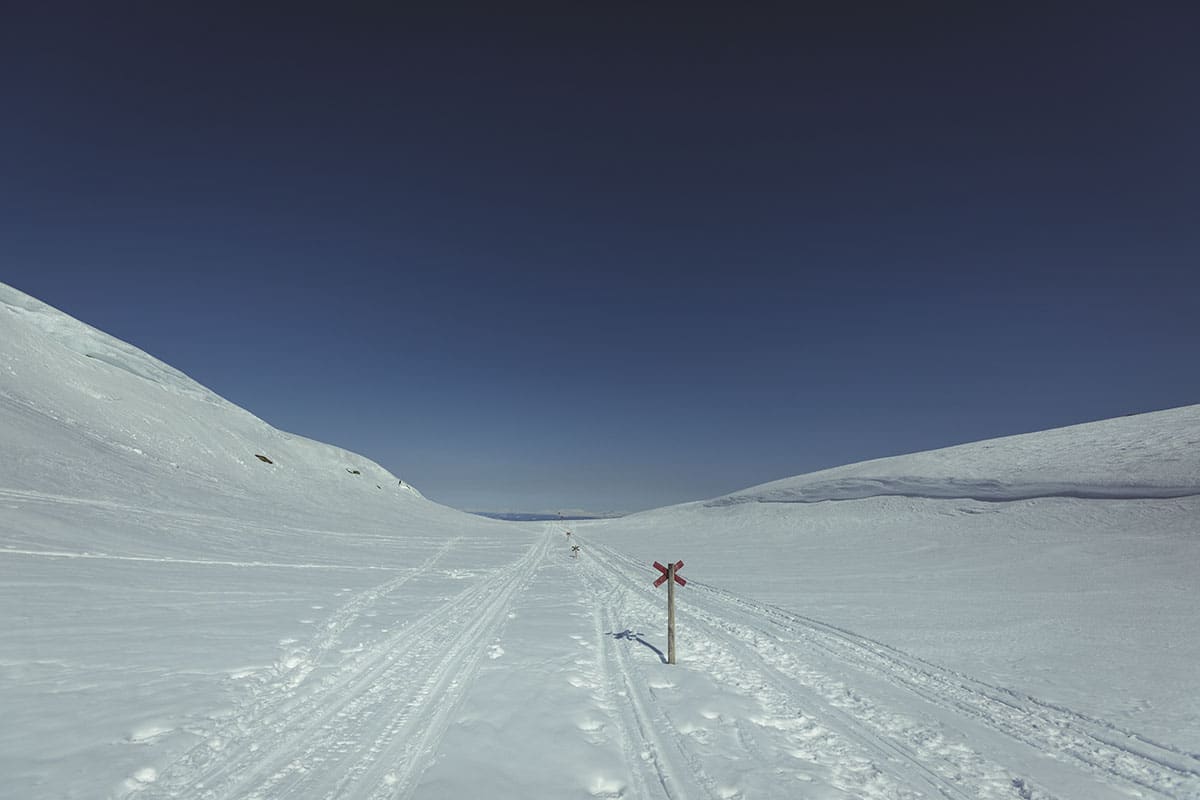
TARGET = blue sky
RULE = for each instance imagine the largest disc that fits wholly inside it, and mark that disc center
(620, 262)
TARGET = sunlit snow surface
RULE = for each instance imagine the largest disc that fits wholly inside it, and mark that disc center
(180, 619)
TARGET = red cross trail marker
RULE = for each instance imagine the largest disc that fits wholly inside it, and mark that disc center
(678, 565)
(670, 576)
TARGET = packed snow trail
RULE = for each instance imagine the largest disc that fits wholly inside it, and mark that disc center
(365, 727)
(546, 676)
(870, 720)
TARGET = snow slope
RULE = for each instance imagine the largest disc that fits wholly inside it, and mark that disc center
(1063, 563)
(1150, 456)
(1011, 619)
(156, 576)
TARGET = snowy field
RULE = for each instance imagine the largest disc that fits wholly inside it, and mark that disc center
(182, 619)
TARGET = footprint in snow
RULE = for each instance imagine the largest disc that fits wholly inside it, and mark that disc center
(141, 779)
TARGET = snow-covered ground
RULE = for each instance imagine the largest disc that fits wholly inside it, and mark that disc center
(180, 619)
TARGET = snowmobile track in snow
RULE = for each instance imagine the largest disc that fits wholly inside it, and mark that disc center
(855, 754)
(366, 727)
(780, 655)
(1099, 746)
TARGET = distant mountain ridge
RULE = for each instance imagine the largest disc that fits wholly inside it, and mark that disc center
(540, 516)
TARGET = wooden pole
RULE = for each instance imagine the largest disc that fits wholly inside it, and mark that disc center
(671, 613)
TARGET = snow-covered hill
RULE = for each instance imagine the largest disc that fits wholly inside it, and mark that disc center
(74, 398)
(1148, 456)
(180, 618)
(1063, 562)
(153, 569)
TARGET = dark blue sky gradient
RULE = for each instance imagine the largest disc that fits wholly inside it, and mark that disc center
(620, 261)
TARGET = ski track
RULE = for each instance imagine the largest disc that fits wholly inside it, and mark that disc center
(1100, 747)
(196, 520)
(645, 727)
(765, 650)
(12, 551)
(629, 735)
(368, 726)
(852, 765)
(858, 717)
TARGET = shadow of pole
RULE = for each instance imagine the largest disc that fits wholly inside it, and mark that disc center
(629, 635)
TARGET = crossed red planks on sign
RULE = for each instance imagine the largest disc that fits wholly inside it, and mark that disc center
(664, 570)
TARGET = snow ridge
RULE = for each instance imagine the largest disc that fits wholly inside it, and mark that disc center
(1144, 457)
(71, 395)
(81, 338)
(990, 491)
